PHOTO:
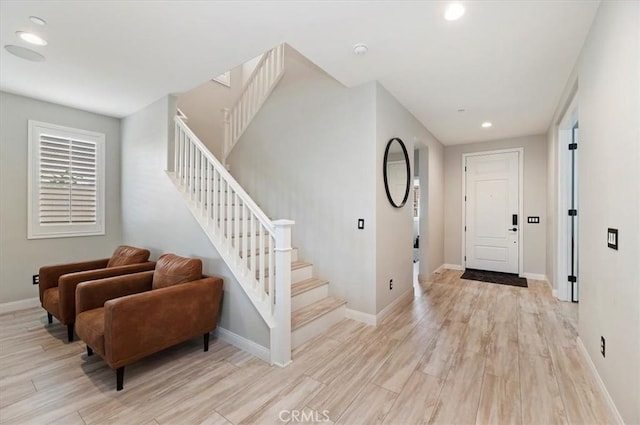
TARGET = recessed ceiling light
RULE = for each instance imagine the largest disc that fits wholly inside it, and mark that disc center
(486, 124)
(360, 49)
(24, 53)
(37, 21)
(32, 38)
(454, 12)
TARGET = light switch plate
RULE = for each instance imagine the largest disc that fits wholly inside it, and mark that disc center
(612, 238)
(533, 220)
(361, 223)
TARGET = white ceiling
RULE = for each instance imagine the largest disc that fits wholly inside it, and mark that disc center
(504, 61)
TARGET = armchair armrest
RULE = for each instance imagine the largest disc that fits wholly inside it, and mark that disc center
(142, 324)
(68, 282)
(49, 275)
(95, 293)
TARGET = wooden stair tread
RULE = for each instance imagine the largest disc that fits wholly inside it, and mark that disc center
(295, 265)
(306, 285)
(313, 311)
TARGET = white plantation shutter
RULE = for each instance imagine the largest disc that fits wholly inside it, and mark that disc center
(66, 181)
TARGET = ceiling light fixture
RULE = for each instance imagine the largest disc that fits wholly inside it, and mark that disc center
(24, 53)
(32, 38)
(454, 12)
(37, 21)
(486, 124)
(360, 49)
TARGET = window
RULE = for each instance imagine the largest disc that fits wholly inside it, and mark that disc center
(66, 182)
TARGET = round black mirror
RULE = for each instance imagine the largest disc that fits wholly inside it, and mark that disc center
(397, 172)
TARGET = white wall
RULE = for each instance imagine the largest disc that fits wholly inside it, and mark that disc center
(21, 258)
(609, 172)
(309, 156)
(314, 154)
(203, 107)
(154, 214)
(394, 226)
(535, 198)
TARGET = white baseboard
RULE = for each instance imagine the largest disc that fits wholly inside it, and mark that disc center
(243, 343)
(451, 267)
(585, 354)
(359, 316)
(408, 294)
(19, 305)
(534, 276)
(374, 320)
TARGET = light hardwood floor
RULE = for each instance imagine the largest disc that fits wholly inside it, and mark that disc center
(461, 352)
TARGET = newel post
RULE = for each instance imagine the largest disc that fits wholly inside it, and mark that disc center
(281, 333)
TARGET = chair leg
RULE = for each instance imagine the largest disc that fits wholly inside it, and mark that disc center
(119, 378)
(206, 342)
(89, 351)
(49, 318)
(70, 332)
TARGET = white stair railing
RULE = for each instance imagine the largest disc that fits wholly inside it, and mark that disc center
(256, 249)
(261, 83)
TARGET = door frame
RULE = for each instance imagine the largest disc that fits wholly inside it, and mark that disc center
(521, 222)
(563, 174)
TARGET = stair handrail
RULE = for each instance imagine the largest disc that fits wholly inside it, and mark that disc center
(262, 81)
(255, 209)
(233, 230)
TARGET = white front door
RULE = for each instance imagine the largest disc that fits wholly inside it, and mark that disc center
(492, 220)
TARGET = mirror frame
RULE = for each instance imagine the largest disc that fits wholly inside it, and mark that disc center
(384, 172)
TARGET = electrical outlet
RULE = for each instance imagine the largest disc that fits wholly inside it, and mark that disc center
(602, 346)
(36, 279)
(390, 284)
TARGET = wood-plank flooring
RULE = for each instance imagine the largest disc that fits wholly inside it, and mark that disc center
(461, 352)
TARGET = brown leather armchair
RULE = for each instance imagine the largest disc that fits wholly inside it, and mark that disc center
(57, 285)
(129, 317)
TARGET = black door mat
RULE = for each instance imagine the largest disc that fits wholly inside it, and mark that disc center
(494, 277)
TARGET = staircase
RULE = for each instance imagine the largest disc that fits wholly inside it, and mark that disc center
(294, 304)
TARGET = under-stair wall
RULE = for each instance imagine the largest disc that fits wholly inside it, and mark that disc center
(154, 215)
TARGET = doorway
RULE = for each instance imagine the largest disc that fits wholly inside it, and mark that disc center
(492, 211)
(568, 212)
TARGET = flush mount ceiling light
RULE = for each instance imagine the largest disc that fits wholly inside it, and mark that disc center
(24, 53)
(454, 12)
(360, 49)
(37, 21)
(486, 124)
(31, 38)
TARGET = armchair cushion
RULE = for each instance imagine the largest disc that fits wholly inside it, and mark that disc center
(172, 269)
(90, 325)
(125, 255)
(51, 301)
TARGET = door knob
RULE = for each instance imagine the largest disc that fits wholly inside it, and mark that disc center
(513, 229)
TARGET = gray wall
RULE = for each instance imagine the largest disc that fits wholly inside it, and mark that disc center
(394, 226)
(609, 196)
(309, 156)
(155, 215)
(21, 258)
(535, 198)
